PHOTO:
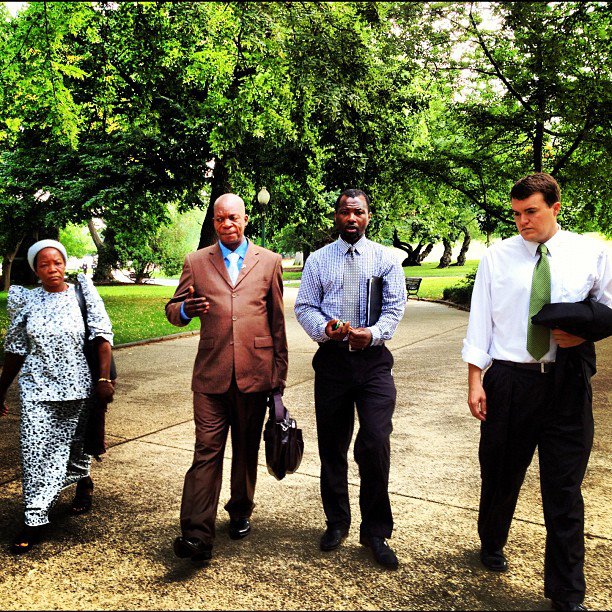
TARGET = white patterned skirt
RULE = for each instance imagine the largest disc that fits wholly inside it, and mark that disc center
(51, 435)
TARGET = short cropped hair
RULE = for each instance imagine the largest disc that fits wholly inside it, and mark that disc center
(352, 193)
(540, 182)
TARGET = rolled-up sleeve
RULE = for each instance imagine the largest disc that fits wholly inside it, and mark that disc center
(394, 304)
(602, 289)
(477, 342)
(98, 320)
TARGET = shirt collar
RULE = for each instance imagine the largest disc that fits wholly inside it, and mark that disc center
(553, 242)
(359, 246)
(241, 249)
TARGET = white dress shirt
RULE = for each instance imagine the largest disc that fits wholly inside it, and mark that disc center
(579, 268)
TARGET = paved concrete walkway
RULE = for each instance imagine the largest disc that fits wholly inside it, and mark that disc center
(120, 556)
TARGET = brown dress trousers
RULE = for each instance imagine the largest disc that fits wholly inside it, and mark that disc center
(242, 355)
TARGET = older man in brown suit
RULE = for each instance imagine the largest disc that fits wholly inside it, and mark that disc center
(236, 289)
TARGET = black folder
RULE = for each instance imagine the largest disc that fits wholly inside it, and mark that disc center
(374, 301)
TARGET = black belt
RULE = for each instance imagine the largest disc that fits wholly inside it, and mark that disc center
(344, 345)
(543, 368)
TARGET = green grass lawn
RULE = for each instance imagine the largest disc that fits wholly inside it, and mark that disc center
(432, 288)
(430, 269)
(137, 312)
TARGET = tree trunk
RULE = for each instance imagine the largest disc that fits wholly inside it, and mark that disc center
(7, 264)
(540, 97)
(538, 147)
(414, 256)
(465, 245)
(425, 253)
(141, 273)
(447, 254)
(107, 254)
(220, 185)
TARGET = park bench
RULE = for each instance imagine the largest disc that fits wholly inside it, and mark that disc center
(412, 286)
(145, 276)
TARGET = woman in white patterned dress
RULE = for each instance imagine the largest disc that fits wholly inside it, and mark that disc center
(44, 345)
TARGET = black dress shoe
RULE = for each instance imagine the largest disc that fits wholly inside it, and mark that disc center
(567, 605)
(494, 560)
(332, 538)
(239, 528)
(382, 552)
(192, 548)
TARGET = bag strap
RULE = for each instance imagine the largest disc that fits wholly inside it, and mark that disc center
(78, 290)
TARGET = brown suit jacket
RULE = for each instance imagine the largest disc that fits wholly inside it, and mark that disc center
(244, 329)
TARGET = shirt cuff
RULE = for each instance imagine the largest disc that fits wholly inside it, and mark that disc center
(376, 336)
(475, 356)
(107, 336)
(323, 337)
(184, 317)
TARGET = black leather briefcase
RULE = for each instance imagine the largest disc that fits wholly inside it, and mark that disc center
(282, 439)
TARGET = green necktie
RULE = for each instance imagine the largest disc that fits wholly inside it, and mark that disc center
(538, 337)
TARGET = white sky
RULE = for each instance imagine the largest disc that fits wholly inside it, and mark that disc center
(13, 7)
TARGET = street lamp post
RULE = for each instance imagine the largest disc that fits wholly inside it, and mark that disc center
(263, 197)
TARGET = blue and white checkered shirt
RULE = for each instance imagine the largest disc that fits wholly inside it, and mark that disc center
(319, 299)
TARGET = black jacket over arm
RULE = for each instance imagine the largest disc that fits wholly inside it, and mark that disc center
(575, 366)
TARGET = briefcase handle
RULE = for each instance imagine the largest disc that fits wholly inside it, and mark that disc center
(276, 403)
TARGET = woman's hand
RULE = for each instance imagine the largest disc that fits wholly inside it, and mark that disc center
(105, 390)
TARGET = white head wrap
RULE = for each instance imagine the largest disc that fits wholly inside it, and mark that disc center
(37, 247)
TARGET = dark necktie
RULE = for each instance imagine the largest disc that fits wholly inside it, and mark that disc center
(538, 337)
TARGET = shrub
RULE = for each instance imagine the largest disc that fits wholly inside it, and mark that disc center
(461, 293)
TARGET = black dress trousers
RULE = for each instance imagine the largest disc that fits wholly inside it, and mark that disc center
(345, 379)
(524, 412)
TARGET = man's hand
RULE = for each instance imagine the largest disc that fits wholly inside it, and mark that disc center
(359, 338)
(195, 306)
(565, 340)
(477, 398)
(337, 334)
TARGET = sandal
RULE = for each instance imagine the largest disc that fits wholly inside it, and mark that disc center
(83, 497)
(28, 536)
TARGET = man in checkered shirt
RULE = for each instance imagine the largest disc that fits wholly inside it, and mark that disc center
(353, 368)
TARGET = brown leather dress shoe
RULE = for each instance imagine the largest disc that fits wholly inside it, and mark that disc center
(192, 548)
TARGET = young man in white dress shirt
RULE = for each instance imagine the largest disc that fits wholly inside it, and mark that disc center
(516, 400)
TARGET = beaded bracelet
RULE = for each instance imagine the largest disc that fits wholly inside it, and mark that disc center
(108, 380)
